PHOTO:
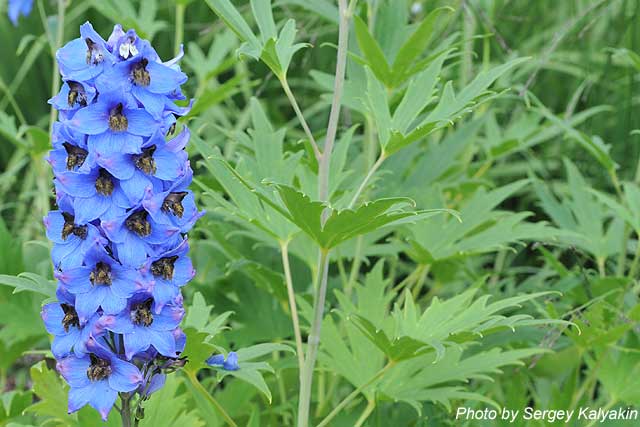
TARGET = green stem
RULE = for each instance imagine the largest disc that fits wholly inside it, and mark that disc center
(301, 119)
(366, 179)
(284, 250)
(125, 410)
(365, 414)
(179, 34)
(355, 394)
(306, 377)
(194, 381)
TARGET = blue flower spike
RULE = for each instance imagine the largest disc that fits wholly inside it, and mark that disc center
(120, 250)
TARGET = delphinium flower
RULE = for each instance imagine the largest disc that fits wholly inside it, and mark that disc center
(120, 250)
(17, 8)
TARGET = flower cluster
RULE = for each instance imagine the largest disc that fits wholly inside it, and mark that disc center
(120, 251)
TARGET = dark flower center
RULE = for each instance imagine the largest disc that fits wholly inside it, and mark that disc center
(172, 129)
(139, 73)
(99, 368)
(94, 56)
(70, 317)
(117, 121)
(101, 275)
(75, 155)
(138, 223)
(145, 161)
(70, 227)
(76, 94)
(173, 203)
(164, 267)
(141, 313)
(104, 183)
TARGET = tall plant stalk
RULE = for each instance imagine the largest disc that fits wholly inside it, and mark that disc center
(306, 376)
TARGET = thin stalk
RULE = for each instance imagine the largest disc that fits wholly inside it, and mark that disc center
(284, 250)
(604, 409)
(179, 34)
(194, 381)
(355, 394)
(125, 410)
(366, 179)
(366, 413)
(301, 119)
(355, 266)
(306, 377)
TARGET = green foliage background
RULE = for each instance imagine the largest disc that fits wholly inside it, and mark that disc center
(483, 208)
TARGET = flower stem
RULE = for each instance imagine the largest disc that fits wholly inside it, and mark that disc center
(301, 119)
(306, 376)
(179, 35)
(284, 250)
(366, 179)
(125, 410)
(355, 393)
(194, 381)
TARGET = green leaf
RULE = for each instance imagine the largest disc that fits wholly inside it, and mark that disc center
(415, 45)
(168, 407)
(450, 108)
(230, 15)
(372, 51)
(378, 105)
(406, 333)
(51, 391)
(30, 282)
(197, 350)
(264, 18)
(213, 96)
(423, 84)
(259, 350)
(342, 225)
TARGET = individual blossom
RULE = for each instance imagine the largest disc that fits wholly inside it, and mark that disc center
(101, 282)
(230, 363)
(136, 235)
(71, 238)
(19, 7)
(69, 336)
(143, 326)
(97, 377)
(169, 271)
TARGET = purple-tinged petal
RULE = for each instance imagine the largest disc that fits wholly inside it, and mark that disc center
(124, 376)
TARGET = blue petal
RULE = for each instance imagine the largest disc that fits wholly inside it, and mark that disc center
(80, 396)
(91, 120)
(112, 304)
(164, 342)
(168, 319)
(136, 341)
(231, 364)
(88, 303)
(124, 376)
(164, 79)
(109, 143)
(103, 398)
(140, 122)
(63, 344)
(74, 370)
(52, 316)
